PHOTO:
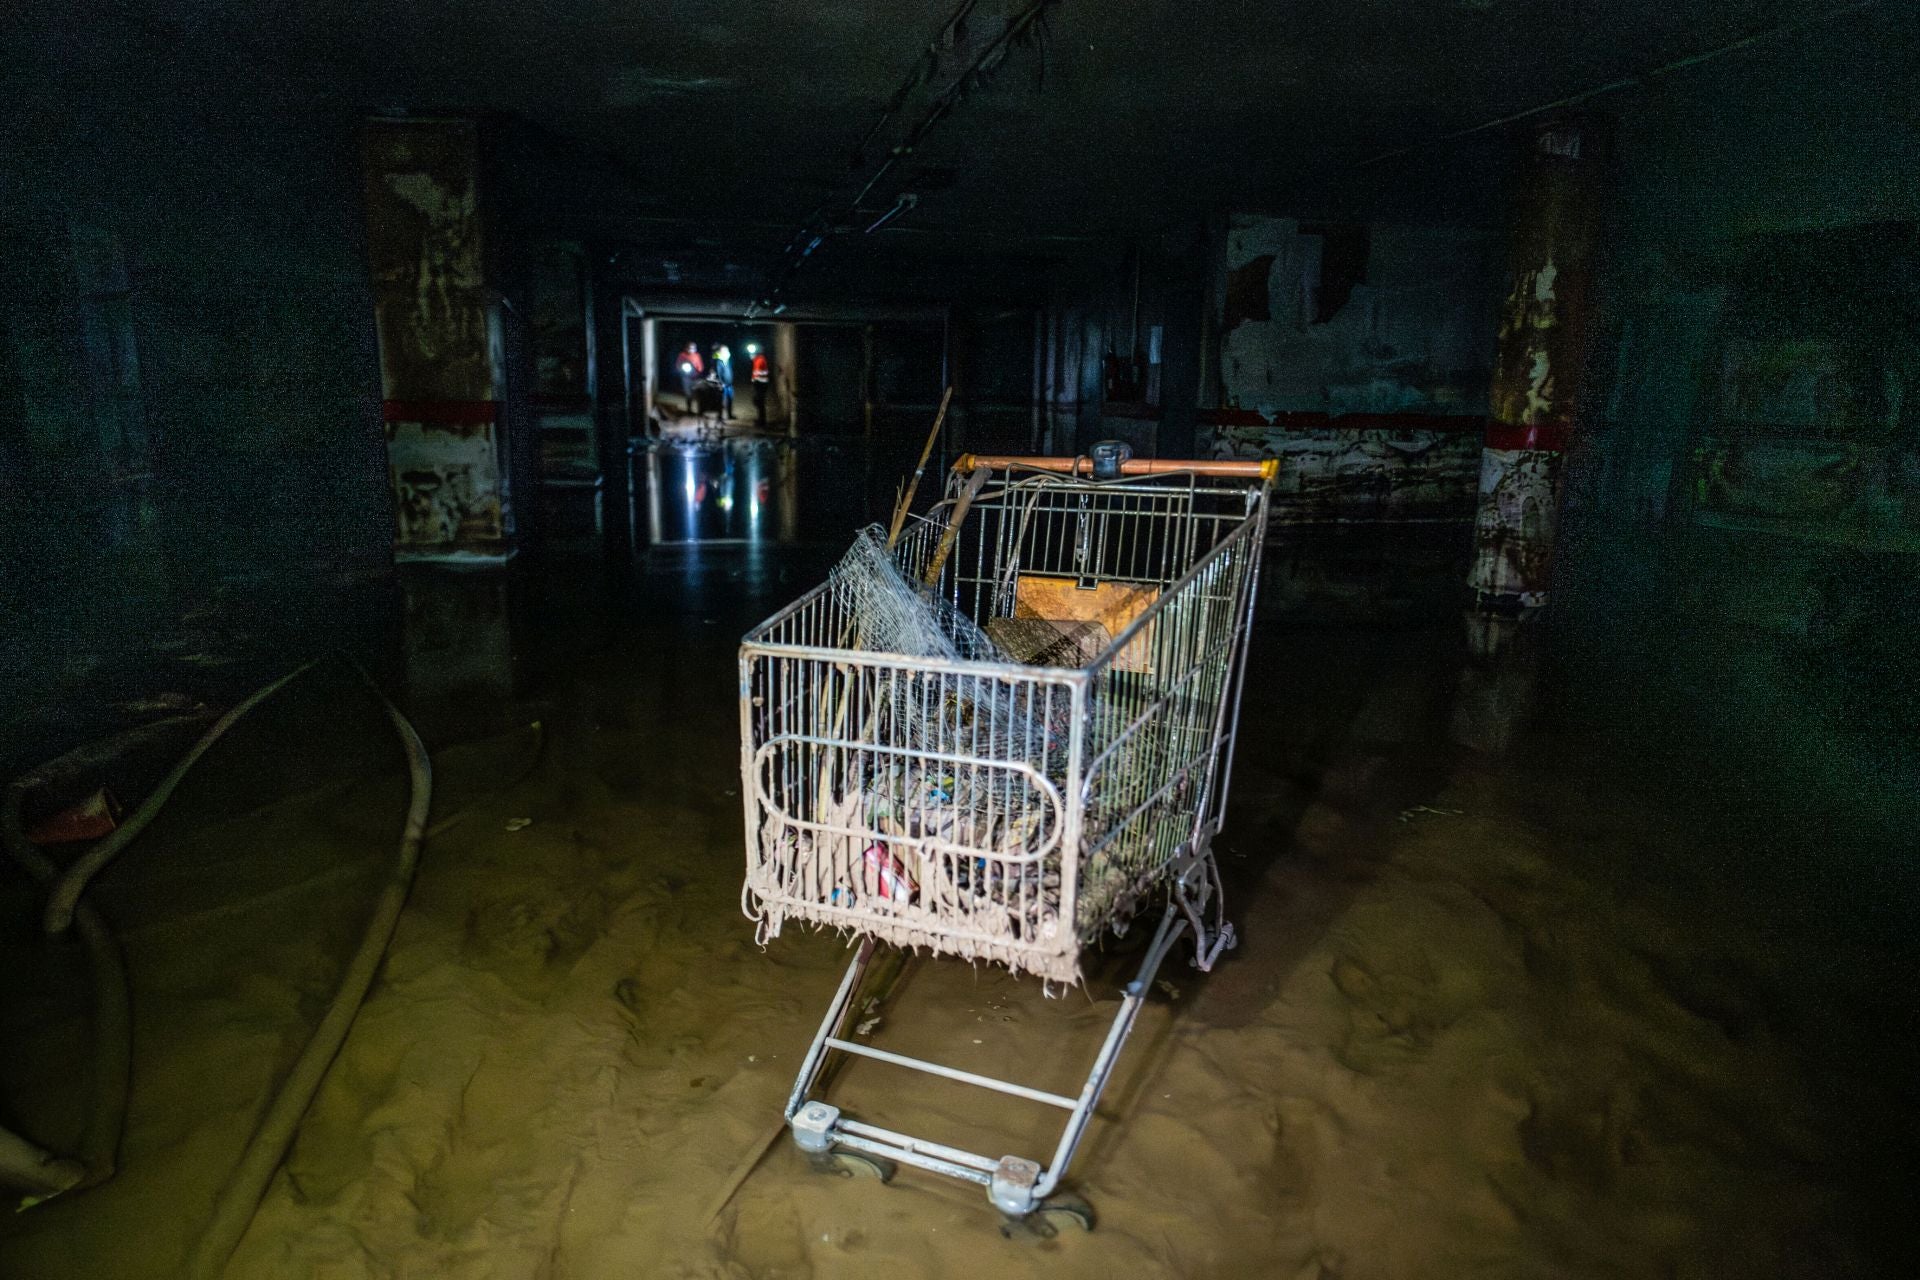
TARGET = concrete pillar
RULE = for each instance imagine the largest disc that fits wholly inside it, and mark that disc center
(1536, 403)
(1090, 399)
(442, 367)
(786, 363)
(607, 374)
(641, 370)
(1185, 294)
(563, 414)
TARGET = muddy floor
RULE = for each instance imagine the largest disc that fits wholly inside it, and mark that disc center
(1486, 1020)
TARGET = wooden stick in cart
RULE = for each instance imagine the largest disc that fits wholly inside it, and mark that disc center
(894, 966)
(951, 534)
(905, 503)
(902, 504)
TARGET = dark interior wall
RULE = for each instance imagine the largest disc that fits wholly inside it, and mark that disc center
(1253, 335)
(908, 366)
(1362, 317)
(832, 359)
(1742, 532)
(189, 340)
(1358, 353)
(996, 387)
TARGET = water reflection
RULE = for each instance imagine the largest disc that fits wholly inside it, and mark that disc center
(725, 491)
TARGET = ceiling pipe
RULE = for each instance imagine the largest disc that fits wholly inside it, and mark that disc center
(1633, 81)
(907, 200)
(912, 82)
(989, 57)
(1018, 27)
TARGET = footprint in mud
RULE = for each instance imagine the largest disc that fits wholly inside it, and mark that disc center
(1324, 1264)
(1544, 954)
(1392, 1017)
(767, 1242)
(1582, 1140)
(1306, 1135)
(524, 938)
(1718, 990)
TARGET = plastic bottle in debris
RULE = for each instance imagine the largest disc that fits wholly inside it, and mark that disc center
(889, 872)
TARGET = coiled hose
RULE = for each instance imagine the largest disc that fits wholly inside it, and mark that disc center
(112, 1027)
(238, 1200)
(112, 1024)
(72, 882)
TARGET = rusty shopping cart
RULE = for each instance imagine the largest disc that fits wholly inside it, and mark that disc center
(997, 738)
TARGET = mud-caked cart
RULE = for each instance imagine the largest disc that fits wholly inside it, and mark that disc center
(995, 737)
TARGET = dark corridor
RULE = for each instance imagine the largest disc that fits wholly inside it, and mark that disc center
(410, 870)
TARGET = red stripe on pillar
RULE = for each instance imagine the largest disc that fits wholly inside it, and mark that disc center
(1552, 437)
(461, 412)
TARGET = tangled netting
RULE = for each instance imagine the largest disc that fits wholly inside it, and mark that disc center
(938, 760)
(972, 716)
(891, 614)
(924, 797)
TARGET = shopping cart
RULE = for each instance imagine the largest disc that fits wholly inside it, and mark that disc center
(914, 786)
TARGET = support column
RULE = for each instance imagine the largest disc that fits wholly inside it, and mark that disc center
(565, 418)
(442, 367)
(607, 386)
(786, 364)
(1536, 404)
(1090, 401)
(1185, 292)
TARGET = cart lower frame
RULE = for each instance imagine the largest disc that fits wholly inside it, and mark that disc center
(1017, 1185)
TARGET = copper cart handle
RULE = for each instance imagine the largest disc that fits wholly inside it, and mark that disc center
(1226, 468)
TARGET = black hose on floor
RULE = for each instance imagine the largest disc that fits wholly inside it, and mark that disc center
(112, 1022)
(240, 1197)
(111, 1067)
(73, 881)
(112, 1064)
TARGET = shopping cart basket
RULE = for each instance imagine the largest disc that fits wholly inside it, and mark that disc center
(920, 787)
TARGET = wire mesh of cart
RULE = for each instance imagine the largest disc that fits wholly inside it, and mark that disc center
(998, 737)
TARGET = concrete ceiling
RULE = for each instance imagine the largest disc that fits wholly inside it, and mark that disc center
(1119, 117)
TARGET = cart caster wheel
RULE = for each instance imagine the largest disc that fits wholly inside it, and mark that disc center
(1049, 1218)
(852, 1164)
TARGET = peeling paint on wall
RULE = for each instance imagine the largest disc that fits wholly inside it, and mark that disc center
(1400, 351)
(426, 255)
(1514, 525)
(1342, 474)
(446, 485)
(1536, 400)
(440, 361)
(1414, 336)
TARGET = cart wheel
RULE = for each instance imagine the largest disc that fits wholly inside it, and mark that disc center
(1063, 1209)
(852, 1164)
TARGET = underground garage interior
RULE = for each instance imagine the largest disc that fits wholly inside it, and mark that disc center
(1013, 637)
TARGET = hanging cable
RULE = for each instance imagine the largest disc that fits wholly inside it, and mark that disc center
(1028, 25)
(1633, 81)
